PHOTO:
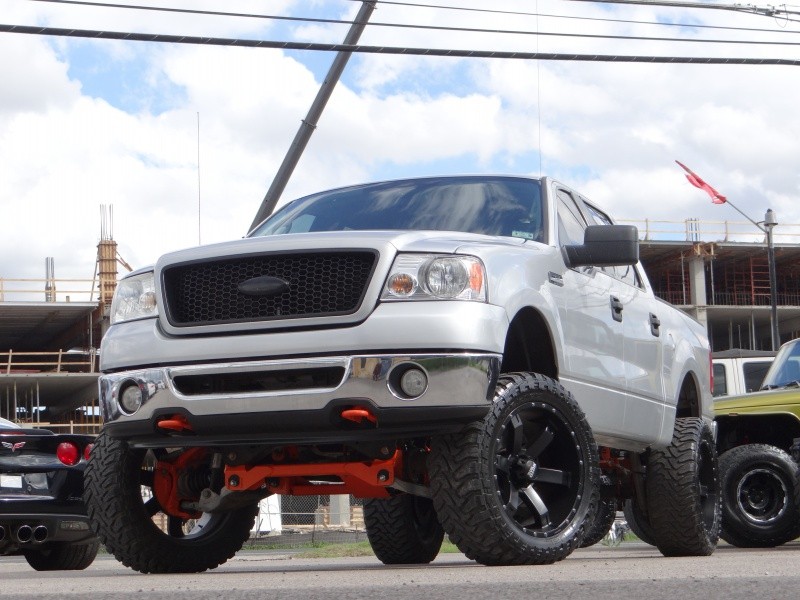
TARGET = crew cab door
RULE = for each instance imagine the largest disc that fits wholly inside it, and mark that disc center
(592, 328)
(643, 345)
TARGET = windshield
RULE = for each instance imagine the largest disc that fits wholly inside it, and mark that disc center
(786, 368)
(509, 206)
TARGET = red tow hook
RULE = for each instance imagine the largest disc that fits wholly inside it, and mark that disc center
(357, 415)
(177, 423)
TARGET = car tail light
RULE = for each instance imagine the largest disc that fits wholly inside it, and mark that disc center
(68, 453)
(87, 451)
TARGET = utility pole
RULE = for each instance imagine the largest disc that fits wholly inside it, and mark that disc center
(308, 124)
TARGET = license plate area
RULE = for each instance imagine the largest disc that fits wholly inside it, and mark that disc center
(11, 482)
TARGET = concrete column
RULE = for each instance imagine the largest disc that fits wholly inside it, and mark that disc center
(697, 281)
(340, 510)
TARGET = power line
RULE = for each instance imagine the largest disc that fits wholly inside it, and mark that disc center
(440, 27)
(323, 47)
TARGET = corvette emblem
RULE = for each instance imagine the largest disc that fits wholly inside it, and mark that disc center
(13, 447)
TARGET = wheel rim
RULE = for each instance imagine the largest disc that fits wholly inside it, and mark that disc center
(538, 463)
(762, 496)
(171, 525)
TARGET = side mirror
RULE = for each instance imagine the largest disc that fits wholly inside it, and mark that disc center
(605, 246)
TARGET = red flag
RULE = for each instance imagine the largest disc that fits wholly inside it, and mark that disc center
(698, 182)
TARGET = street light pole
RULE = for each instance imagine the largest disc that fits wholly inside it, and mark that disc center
(769, 223)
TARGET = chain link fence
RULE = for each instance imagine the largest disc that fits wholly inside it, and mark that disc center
(286, 522)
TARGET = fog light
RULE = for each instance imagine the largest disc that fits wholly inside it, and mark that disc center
(413, 382)
(130, 399)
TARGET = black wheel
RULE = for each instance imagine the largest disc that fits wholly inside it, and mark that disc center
(403, 529)
(519, 486)
(118, 491)
(603, 520)
(637, 522)
(760, 496)
(683, 496)
(60, 556)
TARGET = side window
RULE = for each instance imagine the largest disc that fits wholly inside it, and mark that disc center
(754, 373)
(570, 221)
(720, 380)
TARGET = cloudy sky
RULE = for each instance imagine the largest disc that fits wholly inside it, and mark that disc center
(85, 123)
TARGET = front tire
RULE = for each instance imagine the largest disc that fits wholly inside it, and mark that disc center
(683, 496)
(761, 496)
(403, 529)
(518, 486)
(60, 556)
(113, 484)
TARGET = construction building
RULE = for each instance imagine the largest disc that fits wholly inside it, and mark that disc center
(50, 331)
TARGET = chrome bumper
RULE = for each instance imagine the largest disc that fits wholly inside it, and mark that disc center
(269, 395)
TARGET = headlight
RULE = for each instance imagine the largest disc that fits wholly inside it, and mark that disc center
(436, 277)
(135, 298)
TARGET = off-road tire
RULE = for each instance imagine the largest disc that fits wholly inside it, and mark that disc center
(519, 486)
(760, 496)
(61, 556)
(403, 529)
(683, 499)
(637, 522)
(603, 520)
(122, 522)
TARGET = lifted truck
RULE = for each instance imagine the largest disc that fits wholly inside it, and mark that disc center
(759, 446)
(451, 349)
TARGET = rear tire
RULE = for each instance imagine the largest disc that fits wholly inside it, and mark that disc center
(60, 556)
(519, 486)
(123, 521)
(403, 529)
(683, 496)
(761, 496)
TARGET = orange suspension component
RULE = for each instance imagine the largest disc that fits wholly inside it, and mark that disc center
(165, 482)
(362, 480)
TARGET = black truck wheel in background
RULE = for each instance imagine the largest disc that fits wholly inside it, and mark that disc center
(761, 496)
(603, 520)
(520, 485)
(61, 556)
(403, 529)
(638, 523)
(683, 496)
(123, 521)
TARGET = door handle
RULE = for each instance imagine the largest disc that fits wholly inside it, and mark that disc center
(655, 325)
(616, 309)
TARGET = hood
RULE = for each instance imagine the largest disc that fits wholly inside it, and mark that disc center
(445, 242)
(764, 401)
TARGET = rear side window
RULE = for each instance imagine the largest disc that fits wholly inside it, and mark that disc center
(720, 381)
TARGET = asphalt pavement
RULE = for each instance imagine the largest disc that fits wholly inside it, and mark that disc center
(630, 571)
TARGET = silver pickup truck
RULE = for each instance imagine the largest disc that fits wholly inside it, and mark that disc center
(479, 356)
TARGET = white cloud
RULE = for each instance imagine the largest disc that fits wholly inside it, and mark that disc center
(612, 130)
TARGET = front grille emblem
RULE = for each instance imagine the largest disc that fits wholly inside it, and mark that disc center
(265, 285)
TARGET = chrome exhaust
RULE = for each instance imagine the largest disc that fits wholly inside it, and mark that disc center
(40, 534)
(24, 534)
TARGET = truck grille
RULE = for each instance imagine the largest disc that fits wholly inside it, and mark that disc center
(326, 283)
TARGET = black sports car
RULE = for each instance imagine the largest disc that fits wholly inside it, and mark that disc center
(42, 515)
